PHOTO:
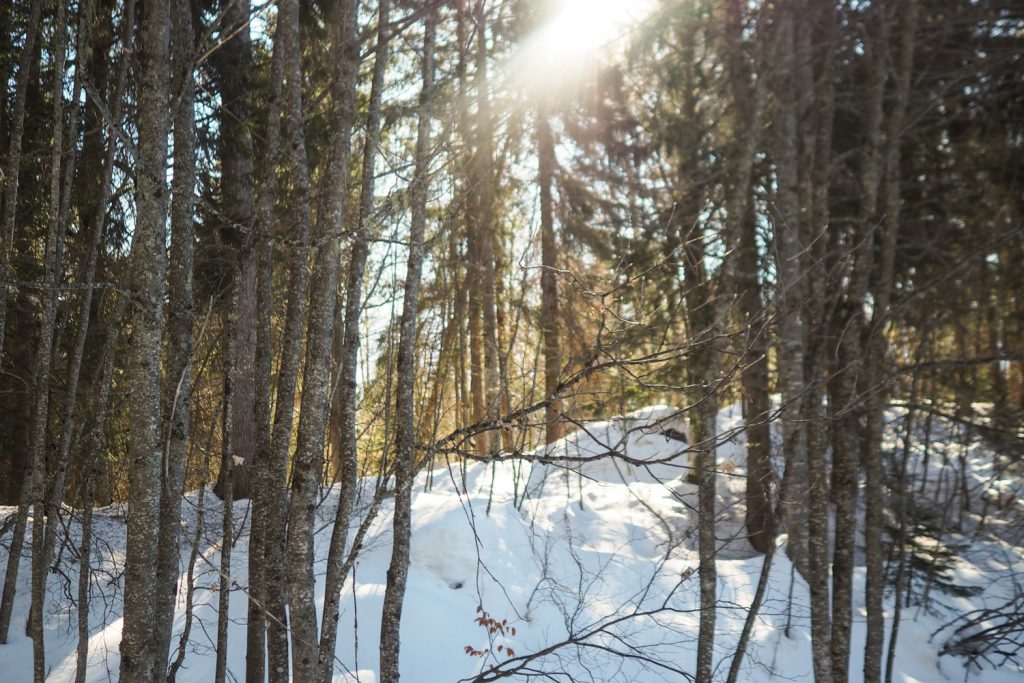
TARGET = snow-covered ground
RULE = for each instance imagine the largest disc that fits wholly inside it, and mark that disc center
(591, 560)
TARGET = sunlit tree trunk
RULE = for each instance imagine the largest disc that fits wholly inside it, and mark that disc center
(405, 433)
(553, 427)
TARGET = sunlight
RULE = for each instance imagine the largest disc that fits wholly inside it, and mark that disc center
(576, 34)
(580, 28)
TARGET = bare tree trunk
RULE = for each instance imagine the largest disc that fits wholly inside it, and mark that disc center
(405, 433)
(815, 235)
(347, 397)
(271, 473)
(878, 52)
(297, 200)
(788, 251)
(553, 428)
(268, 477)
(234, 65)
(180, 321)
(307, 660)
(748, 100)
(875, 362)
(148, 270)
(227, 517)
(42, 366)
(10, 206)
(485, 231)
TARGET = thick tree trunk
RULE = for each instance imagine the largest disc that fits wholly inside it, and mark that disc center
(405, 433)
(267, 605)
(148, 269)
(265, 595)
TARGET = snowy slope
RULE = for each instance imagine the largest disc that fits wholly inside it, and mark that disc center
(591, 560)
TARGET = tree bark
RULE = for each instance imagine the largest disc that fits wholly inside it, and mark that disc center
(553, 428)
(405, 434)
(347, 399)
(180, 321)
(308, 661)
(148, 269)
(297, 200)
(788, 249)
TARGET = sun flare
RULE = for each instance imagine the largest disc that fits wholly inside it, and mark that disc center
(582, 28)
(572, 36)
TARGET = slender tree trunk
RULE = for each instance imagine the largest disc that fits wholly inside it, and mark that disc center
(748, 100)
(864, 262)
(180, 321)
(485, 231)
(267, 616)
(42, 366)
(148, 270)
(291, 354)
(875, 362)
(816, 231)
(788, 250)
(347, 396)
(405, 433)
(308, 661)
(227, 517)
(553, 428)
(90, 444)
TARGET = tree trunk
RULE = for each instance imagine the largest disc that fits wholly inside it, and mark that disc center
(485, 232)
(180, 321)
(874, 497)
(405, 434)
(42, 369)
(265, 602)
(297, 200)
(553, 428)
(788, 251)
(748, 100)
(307, 467)
(148, 269)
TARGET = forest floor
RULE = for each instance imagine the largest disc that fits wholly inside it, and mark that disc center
(594, 563)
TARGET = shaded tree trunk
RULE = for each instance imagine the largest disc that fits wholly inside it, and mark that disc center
(148, 270)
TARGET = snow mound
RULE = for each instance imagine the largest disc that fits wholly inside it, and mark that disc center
(585, 551)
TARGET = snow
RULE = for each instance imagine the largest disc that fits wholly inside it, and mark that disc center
(593, 555)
